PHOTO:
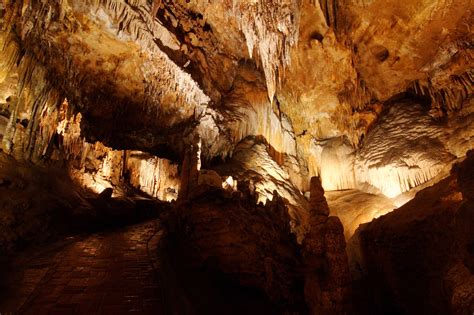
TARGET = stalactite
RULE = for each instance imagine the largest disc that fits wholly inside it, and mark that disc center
(72, 144)
(252, 164)
(10, 55)
(354, 97)
(171, 92)
(336, 164)
(155, 7)
(393, 181)
(256, 117)
(164, 76)
(450, 97)
(270, 28)
(37, 103)
(329, 8)
(156, 177)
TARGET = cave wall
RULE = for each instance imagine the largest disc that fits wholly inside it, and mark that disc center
(418, 258)
(168, 97)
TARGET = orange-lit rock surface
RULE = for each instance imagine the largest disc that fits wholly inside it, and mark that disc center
(218, 106)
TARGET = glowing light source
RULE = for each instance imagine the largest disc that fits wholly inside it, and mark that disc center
(229, 183)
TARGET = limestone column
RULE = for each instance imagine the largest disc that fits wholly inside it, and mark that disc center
(327, 275)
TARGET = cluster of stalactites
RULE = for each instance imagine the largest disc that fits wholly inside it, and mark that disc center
(133, 21)
(154, 176)
(449, 98)
(353, 98)
(136, 21)
(69, 128)
(271, 28)
(130, 21)
(261, 120)
(392, 181)
(34, 117)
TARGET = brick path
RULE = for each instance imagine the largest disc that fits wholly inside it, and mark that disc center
(105, 273)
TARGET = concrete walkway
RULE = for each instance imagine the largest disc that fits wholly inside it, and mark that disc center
(104, 273)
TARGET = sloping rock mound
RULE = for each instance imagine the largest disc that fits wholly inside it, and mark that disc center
(252, 161)
(250, 244)
(419, 259)
(31, 199)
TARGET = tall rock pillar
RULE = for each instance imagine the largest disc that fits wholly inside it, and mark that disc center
(327, 275)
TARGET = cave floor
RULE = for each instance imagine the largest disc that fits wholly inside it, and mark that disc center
(110, 272)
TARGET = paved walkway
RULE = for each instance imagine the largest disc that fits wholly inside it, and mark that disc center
(105, 273)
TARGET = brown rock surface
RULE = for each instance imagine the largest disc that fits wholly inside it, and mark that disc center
(251, 245)
(152, 82)
(327, 277)
(369, 95)
(419, 258)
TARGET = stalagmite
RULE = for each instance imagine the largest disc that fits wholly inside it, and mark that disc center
(327, 277)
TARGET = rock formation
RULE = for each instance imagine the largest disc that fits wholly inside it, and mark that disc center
(419, 259)
(229, 111)
(248, 243)
(327, 276)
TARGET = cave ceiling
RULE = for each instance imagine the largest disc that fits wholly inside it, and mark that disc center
(158, 75)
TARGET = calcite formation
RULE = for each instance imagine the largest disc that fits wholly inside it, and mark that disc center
(328, 280)
(243, 237)
(230, 109)
(317, 114)
(252, 162)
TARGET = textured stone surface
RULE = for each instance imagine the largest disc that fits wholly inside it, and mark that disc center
(104, 273)
(354, 207)
(139, 97)
(331, 66)
(327, 276)
(253, 162)
(252, 245)
(418, 259)
(38, 203)
(30, 200)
